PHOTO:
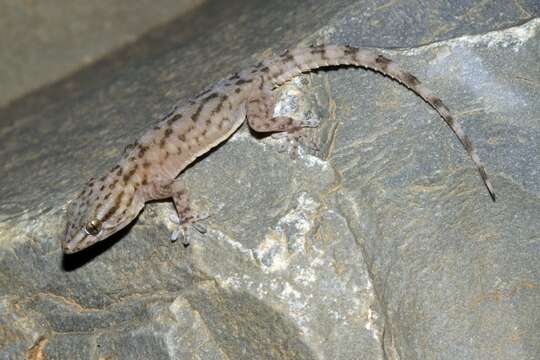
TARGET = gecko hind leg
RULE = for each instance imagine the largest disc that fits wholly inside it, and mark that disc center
(185, 217)
(259, 111)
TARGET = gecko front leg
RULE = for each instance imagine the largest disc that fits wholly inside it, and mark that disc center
(185, 217)
(260, 109)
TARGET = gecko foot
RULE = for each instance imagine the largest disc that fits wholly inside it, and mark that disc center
(184, 226)
(311, 123)
(294, 139)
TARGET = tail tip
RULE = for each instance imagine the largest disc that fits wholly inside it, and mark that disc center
(492, 194)
(490, 189)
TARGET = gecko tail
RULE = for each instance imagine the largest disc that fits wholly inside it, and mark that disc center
(296, 61)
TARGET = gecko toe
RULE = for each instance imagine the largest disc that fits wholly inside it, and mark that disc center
(311, 123)
(196, 224)
(199, 227)
(296, 143)
(184, 225)
(174, 218)
(178, 233)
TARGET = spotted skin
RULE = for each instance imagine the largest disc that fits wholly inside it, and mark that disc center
(149, 167)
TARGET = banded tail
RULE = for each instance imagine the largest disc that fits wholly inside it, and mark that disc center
(293, 62)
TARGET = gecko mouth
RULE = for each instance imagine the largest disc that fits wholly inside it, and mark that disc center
(76, 243)
(71, 247)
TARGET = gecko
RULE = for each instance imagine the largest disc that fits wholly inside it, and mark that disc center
(149, 168)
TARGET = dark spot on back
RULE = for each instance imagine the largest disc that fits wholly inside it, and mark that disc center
(439, 106)
(130, 174)
(411, 80)
(174, 118)
(197, 113)
(115, 207)
(128, 147)
(243, 81)
(437, 102)
(286, 57)
(142, 151)
(467, 144)
(383, 61)
(350, 50)
(219, 106)
(319, 50)
(210, 97)
(202, 93)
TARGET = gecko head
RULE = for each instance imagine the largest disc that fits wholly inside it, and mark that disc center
(99, 211)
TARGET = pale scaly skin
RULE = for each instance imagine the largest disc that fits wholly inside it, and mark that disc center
(149, 169)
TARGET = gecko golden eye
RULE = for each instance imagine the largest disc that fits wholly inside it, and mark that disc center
(93, 227)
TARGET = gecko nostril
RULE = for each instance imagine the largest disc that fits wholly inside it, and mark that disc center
(66, 247)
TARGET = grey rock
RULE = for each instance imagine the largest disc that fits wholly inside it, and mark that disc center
(44, 41)
(383, 245)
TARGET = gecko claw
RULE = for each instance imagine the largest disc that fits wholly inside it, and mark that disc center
(181, 233)
(176, 234)
(174, 218)
(183, 226)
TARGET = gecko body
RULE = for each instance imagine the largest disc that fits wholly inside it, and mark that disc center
(149, 169)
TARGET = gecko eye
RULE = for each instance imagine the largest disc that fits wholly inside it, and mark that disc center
(93, 227)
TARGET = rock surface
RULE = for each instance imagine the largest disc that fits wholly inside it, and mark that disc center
(384, 245)
(47, 40)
